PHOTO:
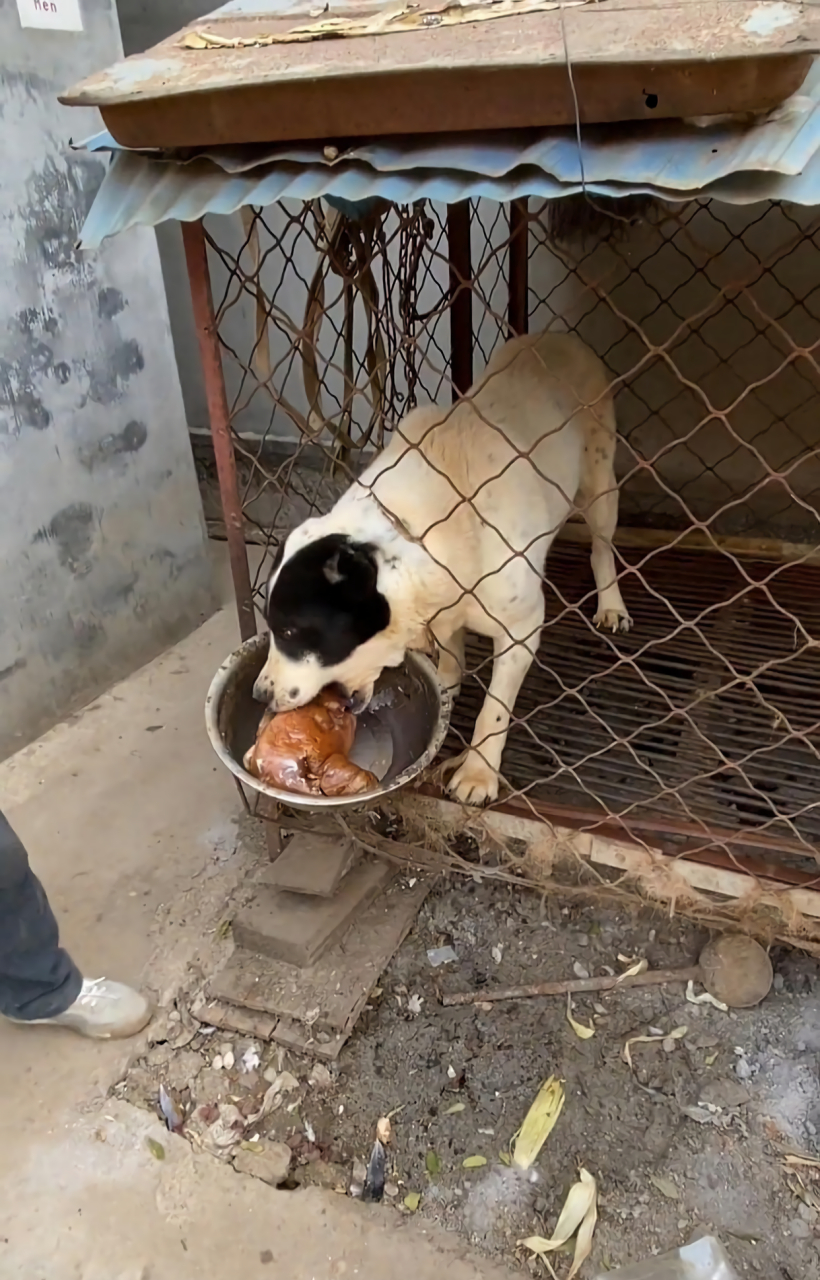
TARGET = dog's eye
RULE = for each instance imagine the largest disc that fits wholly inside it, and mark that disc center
(288, 633)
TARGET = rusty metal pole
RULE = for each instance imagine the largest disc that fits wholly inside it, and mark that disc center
(461, 297)
(518, 316)
(196, 255)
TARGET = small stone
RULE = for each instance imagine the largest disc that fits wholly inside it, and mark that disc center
(270, 1075)
(779, 982)
(174, 1016)
(807, 1212)
(359, 1171)
(541, 1205)
(743, 1069)
(217, 1062)
(583, 940)
(811, 1129)
(228, 1061)
(580, 970)
(271, 1164)
(320, 1078)
(724, 1093)
(669, 1044)
(391, 1190)
(800, 1229)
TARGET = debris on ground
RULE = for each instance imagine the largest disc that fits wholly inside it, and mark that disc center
(692, 1137)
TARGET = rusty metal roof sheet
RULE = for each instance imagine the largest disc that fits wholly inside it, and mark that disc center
(613, 31)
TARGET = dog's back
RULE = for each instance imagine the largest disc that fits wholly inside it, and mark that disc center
(511, 453)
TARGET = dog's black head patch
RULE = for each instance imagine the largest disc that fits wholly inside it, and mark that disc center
(325, 601)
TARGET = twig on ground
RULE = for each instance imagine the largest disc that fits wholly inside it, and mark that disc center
(652, 978)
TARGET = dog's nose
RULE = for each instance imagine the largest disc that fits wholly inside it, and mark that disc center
(263, 690)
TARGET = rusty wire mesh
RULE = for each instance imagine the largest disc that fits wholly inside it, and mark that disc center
(698, 732)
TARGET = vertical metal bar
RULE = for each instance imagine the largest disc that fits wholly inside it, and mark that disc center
(196, 256)
(461, 297)
(518, 317)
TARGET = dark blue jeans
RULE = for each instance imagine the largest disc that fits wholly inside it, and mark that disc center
(37, 978)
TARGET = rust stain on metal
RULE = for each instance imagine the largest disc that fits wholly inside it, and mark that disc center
(612, 32)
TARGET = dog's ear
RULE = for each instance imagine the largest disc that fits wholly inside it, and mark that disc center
(354, 566)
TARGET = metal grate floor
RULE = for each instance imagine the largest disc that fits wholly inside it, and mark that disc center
(705, 718)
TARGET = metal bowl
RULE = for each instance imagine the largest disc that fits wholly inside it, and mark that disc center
(397, 736)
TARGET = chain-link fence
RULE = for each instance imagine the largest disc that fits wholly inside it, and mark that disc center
(697, 731)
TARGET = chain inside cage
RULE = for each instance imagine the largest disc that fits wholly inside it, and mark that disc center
(698, 731)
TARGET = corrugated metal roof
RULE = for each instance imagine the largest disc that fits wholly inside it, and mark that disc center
(775, 159)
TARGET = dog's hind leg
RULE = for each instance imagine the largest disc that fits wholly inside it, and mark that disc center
(476, 779)
(598, 503)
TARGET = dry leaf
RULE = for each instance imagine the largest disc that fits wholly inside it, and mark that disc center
(384, 1131)
(665, 1185)
(809, 1162)
(412, 1201)
(582, 1032)
(580, 1213)
(399, 17)
(711, 1059)
(635, 967)
(474, 1162)
(705, 997)
(156, 1148)
(455, 1109)
(677, 1034)
(539, 1123)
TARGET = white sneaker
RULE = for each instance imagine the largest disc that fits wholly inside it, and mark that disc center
(104, 1010)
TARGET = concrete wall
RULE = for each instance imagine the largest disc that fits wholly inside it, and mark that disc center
(104, 561)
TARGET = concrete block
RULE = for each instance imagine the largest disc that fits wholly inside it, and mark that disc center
(311, 864)
(298, 929)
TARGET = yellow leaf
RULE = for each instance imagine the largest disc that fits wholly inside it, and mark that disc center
(580, 1213)
(677, 1034)
(474, 1162)
(582, 1032)
(412, 1201)
(539, 1123)
(636, 967)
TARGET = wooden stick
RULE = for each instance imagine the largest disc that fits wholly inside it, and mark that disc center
(570, 986)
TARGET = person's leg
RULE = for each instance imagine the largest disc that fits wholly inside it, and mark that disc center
(37, 978)
(39, 982)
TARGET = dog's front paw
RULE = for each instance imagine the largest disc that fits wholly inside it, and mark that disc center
(613, 620)
(474, 781)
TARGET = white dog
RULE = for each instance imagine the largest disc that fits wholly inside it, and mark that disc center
(447, 531)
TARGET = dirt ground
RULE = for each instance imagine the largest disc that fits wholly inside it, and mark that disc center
(689, 1142)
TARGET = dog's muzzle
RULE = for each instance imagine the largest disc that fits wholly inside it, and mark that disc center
(359, 701)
